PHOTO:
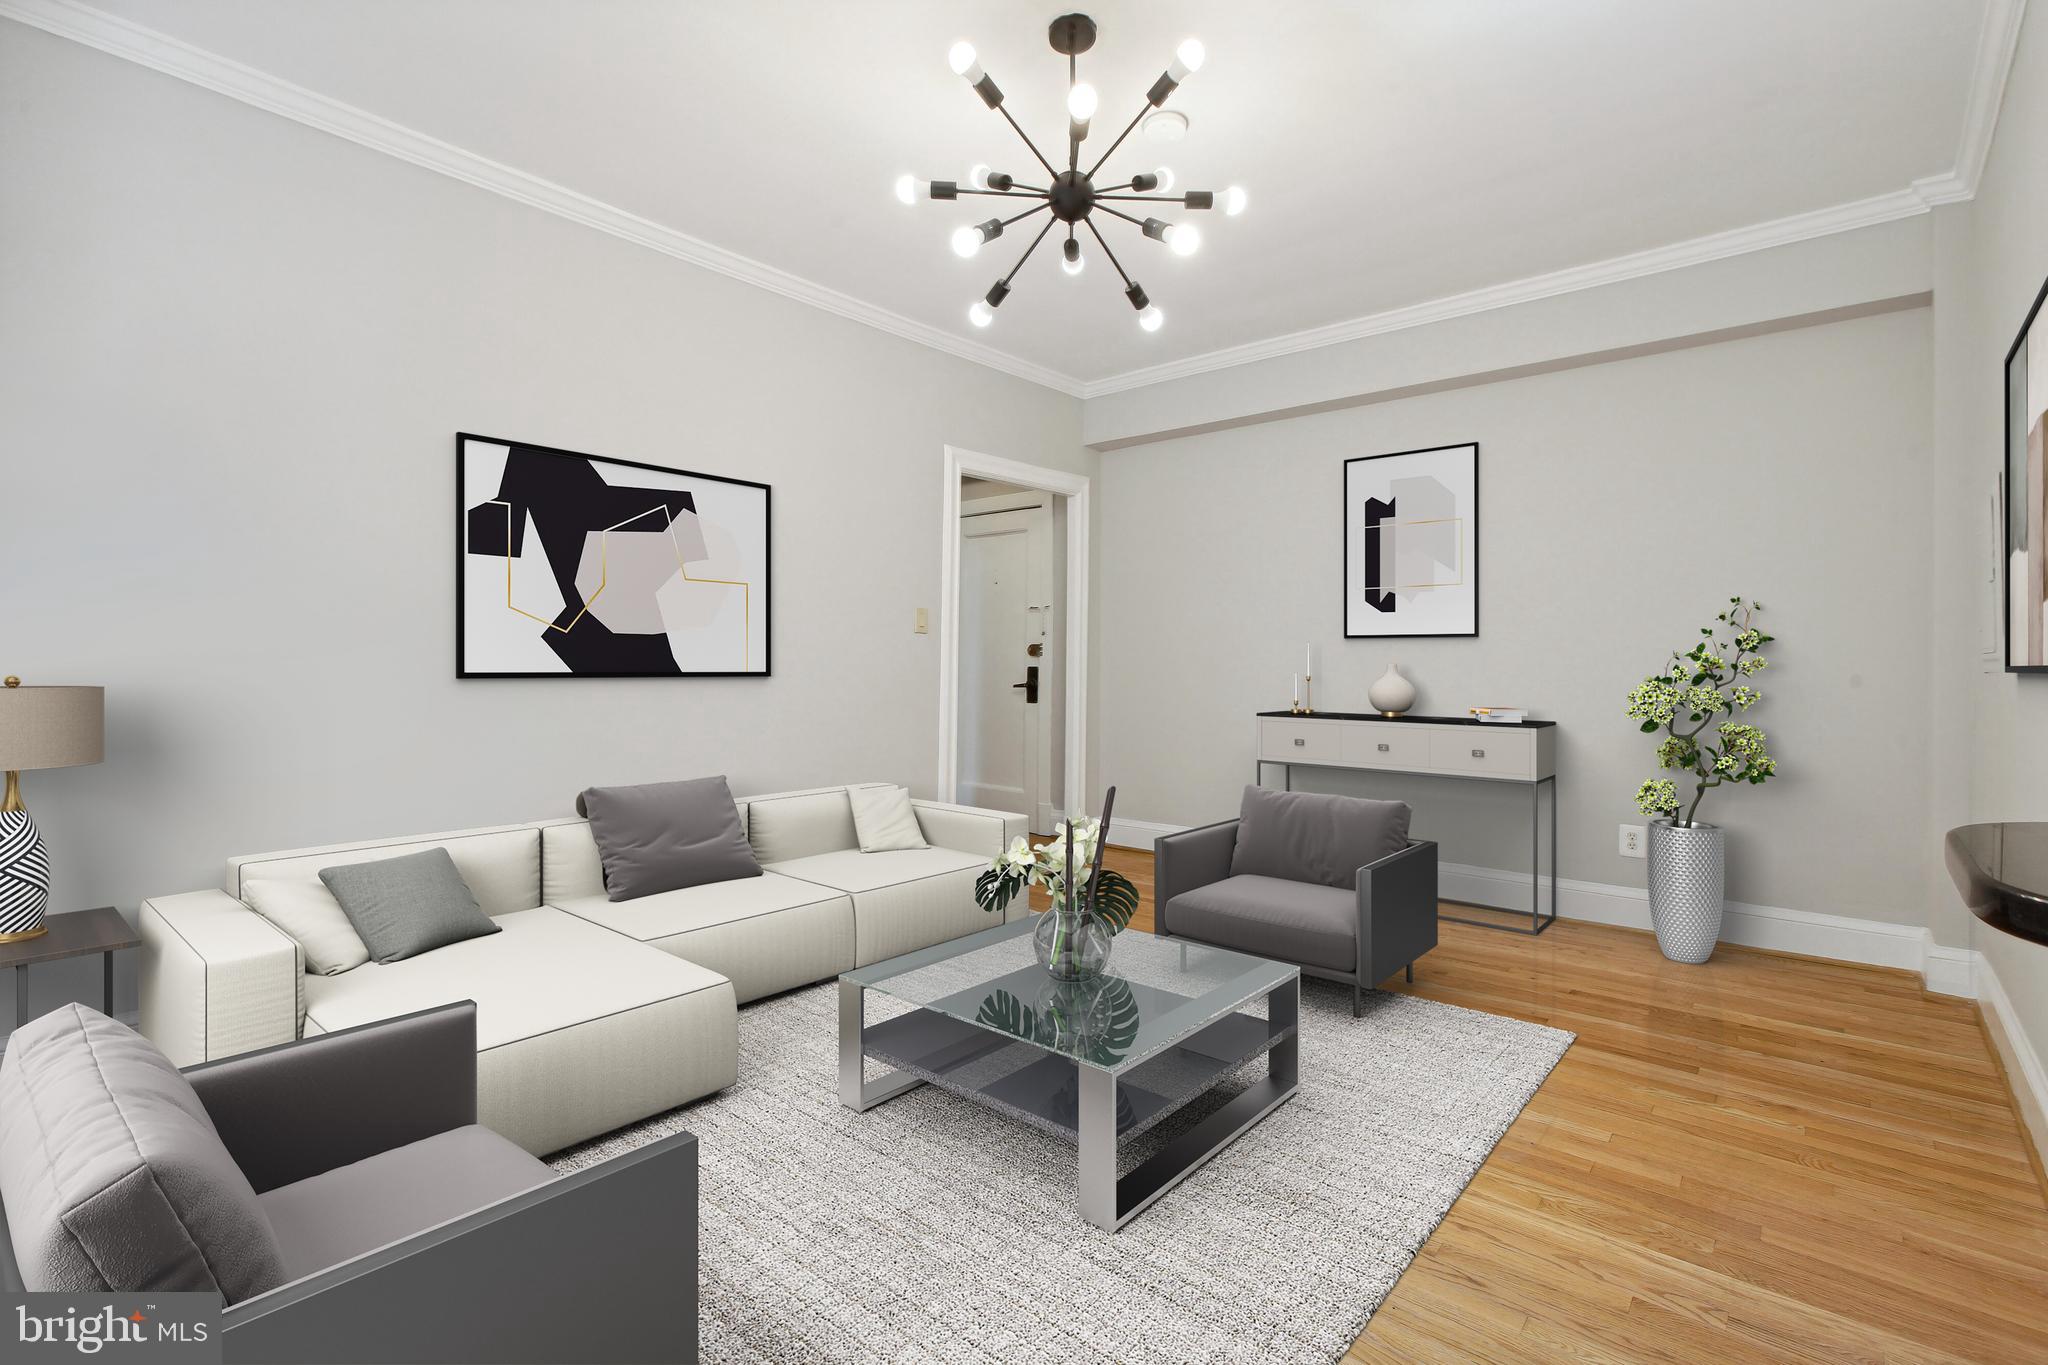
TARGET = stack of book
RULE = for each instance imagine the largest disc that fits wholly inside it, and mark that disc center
(1499, 715)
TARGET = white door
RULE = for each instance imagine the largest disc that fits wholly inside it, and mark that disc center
(1005, 626)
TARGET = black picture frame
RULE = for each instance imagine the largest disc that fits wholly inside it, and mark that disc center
(462, 663)
(1344, 526)
(2006, 493)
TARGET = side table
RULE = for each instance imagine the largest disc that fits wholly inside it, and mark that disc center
(76, 934)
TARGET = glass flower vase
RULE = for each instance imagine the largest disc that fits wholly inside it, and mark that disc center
(1071, 944)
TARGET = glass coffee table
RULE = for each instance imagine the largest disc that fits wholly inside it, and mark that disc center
(1096, 1063)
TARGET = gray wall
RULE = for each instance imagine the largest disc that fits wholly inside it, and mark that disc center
(1620, 504)
(233, 356)
(1993, 255)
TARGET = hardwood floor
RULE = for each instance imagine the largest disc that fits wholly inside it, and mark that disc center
(1766, 1158)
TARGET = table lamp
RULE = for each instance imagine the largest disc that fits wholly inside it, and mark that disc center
(40, 727)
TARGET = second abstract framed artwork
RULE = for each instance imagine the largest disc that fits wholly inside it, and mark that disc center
(1411, 543)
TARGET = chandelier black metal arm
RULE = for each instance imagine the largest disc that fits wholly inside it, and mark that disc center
(1129, 128)
(1027, 141)
(1071, 196)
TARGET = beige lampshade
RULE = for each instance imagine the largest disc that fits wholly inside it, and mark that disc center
(51, 727)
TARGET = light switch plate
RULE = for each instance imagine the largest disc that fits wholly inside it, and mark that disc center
(924, 622)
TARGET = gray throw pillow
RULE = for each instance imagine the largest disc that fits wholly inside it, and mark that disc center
(402, 907)
(1311, 837)
(113, 1176)
(665, 836)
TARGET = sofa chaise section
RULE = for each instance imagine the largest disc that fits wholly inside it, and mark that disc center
(578, 1030)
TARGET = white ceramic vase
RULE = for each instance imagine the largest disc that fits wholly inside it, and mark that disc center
(1392, 694)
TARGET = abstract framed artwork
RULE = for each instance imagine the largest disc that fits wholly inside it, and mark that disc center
(1411, 543)
(582, 566)
(2026, 497)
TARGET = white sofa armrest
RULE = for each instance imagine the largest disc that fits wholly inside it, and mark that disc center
(217, 978)
(969, 829)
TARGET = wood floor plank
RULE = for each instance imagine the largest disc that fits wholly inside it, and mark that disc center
(1763, 1158)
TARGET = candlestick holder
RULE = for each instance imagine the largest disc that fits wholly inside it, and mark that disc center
(1308, 696)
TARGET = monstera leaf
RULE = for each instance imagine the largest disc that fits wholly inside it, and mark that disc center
(1115, 898)
(1113, 1022)
(996, 888)
(1005, 1013)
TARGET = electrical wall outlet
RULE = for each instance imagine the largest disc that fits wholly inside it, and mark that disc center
(924, 623)
(1633, 841)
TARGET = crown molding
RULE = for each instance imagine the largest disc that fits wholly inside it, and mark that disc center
(1997, 41)
(160, 52)
(1883, 208)
(1998, 38)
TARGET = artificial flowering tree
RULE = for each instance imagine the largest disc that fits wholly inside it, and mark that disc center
(1699, 702)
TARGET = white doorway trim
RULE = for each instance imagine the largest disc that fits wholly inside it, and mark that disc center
(1075, 488)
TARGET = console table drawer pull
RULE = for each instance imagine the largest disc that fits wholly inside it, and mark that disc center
(1300, 743)
(1479, 753)
(1384, 748)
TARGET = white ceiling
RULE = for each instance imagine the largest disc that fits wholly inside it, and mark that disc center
(1395, 152)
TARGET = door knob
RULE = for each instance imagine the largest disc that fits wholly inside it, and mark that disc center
(1030, 685)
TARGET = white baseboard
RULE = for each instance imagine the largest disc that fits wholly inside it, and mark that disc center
(1807, 932)
(2022, 1064)
(1137, 834)
(1950, 971)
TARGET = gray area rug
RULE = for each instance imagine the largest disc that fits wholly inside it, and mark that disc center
(930, 1229)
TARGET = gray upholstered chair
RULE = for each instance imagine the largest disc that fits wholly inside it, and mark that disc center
(1332, 884)
(339, 1195)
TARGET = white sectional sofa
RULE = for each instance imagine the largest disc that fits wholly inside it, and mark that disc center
(591, 1013)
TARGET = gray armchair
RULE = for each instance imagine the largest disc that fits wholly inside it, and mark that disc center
(1332, 884)
(340, 1196)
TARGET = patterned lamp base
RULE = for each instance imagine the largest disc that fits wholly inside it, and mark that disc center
(24, 877)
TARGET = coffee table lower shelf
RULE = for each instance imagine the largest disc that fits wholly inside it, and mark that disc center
(1089, 1106)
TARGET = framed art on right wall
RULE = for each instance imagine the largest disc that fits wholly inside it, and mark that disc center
(2026, 497)
(1411, 543)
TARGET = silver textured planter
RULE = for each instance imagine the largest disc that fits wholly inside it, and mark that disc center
(1686, 878)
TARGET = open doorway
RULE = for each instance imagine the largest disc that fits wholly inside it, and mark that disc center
(1013, 620)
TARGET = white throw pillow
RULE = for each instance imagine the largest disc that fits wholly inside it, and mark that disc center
(883, 820)
(308, 912)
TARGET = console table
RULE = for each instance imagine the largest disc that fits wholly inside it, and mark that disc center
(1524, 754)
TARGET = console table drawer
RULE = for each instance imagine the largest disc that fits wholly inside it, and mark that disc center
(1486, 751)
(1299, 741)
(1385, 746)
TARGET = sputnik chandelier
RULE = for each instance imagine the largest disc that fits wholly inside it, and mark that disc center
(1071, 197)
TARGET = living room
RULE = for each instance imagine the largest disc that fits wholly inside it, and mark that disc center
(523, 444)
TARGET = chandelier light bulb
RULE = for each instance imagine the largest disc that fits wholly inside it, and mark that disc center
(977, 176)
(966, 241)
(1184, 239)
(906, 189)
(1187, 59)
(1233, 201)
(1164, 175)
(1150, 317)
(980, 314)
(961, 59)
(1081, 102)
(1074, 264)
